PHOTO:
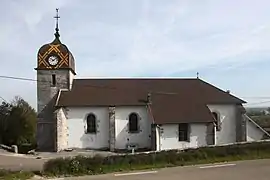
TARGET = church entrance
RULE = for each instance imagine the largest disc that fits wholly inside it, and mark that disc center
(45, 139)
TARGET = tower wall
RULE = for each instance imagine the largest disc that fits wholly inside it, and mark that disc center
(45, 88)
(55, 71)
(47, 94)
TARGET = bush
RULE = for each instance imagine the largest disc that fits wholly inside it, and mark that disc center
(25, 148)
(97, 165)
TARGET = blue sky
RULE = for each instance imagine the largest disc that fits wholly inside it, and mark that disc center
(227, 41)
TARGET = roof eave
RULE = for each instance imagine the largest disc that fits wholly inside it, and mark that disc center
(241, 101)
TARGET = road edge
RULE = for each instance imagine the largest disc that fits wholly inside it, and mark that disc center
(154, 170)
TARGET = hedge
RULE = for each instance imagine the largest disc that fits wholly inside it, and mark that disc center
(25, 148)
(80, 165)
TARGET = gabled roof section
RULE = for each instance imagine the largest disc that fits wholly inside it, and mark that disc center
(173, 100)
(215, 95)
(174, 109)
(91, 92)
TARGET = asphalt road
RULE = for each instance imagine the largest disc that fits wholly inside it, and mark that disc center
(16, 163)
(245, 170)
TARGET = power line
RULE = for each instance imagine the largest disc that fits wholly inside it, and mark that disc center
(3, 99)
(258, 103)
(259, 97)
(17, 78)
(88, 85)
(108, 87)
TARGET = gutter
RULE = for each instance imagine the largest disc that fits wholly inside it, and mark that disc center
(151, 114)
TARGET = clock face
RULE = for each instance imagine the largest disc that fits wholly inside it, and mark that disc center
(53, 60)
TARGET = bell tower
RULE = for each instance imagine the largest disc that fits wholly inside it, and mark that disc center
(55, 71)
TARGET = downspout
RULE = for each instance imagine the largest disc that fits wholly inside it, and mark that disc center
(148, 106)
(241, 129)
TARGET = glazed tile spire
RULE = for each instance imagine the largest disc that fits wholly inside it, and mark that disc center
(56, 49)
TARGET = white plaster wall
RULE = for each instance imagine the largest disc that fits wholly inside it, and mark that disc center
(141, 139)
(169, 137)
(77, 126)
(62, 130)
(253, 132)
(228, 123)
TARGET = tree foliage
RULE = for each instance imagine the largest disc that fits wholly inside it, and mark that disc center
(17, 122)
(263, 120)
(260, 116)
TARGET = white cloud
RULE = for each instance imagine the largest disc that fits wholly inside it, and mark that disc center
(170, 37)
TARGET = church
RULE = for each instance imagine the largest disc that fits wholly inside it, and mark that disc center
(147, 114)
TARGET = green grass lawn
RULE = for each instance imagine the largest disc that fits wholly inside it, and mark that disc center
(81, 165)
(8, 175)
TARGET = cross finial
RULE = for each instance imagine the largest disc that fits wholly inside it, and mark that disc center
(57, 35)
(197, 75)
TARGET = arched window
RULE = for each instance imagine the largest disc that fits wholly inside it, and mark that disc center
(133, 123)
(91, 123)
(217, 120)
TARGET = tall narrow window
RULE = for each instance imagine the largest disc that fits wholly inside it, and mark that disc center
(133, 123)
(53, 80)
(217, 120)
(183, 132)
(91, 124)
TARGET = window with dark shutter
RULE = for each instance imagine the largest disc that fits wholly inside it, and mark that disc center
(133, 123)
(183, 132)
(91, 124)
(53, 80)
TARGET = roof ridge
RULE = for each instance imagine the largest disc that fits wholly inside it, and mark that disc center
(135, 78)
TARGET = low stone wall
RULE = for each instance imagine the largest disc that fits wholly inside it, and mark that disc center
(245, 142)
(13, 148)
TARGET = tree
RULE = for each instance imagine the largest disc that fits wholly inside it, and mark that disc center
(18, 122)
(5, 109)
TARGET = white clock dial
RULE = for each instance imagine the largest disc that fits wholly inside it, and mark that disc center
(53, 60)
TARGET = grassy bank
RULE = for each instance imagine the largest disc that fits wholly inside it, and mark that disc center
(99, 165)
(8, 175)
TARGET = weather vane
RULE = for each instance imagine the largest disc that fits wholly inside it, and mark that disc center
(57, 28)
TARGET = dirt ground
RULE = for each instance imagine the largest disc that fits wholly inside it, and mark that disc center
(15, 162)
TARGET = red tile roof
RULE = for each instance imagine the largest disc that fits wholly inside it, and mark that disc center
(173, 100)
